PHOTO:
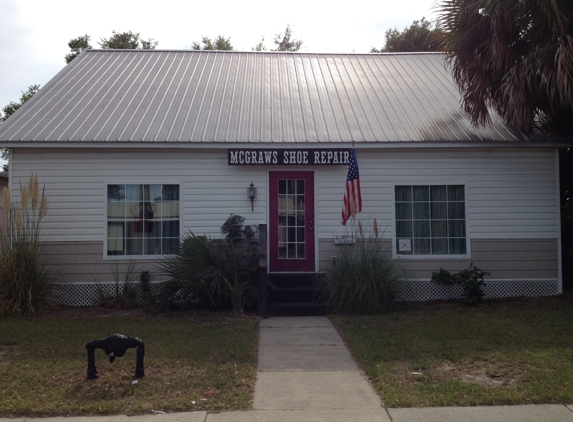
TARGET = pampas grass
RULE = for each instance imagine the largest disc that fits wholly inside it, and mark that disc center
(364, 279)
(25, 286)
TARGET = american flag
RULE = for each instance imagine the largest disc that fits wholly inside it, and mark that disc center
(352, 196)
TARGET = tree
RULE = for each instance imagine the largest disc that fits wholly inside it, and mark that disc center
(260, 46)
(118, 40)
(515, 56)
(422, 35)
(219, 43)
(77, 45)
(284, 43)
(127, 40)
(10, 109)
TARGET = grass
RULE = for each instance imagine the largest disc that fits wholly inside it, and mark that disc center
(193, 361)
(445, 354)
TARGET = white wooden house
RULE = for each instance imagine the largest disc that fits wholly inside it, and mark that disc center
(136, 147)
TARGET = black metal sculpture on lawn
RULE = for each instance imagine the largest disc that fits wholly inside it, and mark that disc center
(115, 346)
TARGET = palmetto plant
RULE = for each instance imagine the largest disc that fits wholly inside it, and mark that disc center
(24, 279)
(515, 56)
(218, 272)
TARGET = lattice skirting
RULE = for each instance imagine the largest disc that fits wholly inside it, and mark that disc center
(86, 294)
(423, 290)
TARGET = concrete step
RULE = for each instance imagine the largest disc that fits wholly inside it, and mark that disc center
(295, 309)
(292, 294)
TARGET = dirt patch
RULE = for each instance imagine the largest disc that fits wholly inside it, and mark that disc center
(482, 373)
(490, 375)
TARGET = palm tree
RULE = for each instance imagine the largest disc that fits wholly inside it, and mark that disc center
(513, 56)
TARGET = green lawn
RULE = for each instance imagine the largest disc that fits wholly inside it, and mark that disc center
(444, 354)
(193, 361)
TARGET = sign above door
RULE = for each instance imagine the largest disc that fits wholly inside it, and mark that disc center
(283, 157)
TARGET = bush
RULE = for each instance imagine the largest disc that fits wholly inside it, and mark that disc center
(214, 273)
(125, 290)
(471, 280)
(364, 279)
(25, 283)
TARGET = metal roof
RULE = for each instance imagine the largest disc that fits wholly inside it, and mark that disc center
(174, 97)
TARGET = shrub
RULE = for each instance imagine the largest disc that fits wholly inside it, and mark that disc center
(471, 280)
(215, 273)
(25, 283)
(364, 279)
(125, 290)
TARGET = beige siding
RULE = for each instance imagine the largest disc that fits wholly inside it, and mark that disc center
(505, 259)
(83, 262)
(524, 259)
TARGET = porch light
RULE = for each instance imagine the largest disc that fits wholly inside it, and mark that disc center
(252, 194)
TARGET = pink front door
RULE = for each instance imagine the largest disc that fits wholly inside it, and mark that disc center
(291, 227)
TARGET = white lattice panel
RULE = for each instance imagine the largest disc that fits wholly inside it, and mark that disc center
(71, 294)
(421, 290)
(411, 291)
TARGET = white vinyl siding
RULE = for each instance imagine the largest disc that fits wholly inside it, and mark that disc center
(510, 194)
(75, 182)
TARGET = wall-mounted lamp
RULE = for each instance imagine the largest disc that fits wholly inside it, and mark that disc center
(252, 194)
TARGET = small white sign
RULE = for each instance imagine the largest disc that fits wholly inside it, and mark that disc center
(345, 239)
(405, 245)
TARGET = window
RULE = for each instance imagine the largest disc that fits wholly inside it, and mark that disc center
(430, 220)
(142, 219)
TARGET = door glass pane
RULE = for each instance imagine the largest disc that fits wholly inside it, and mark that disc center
(291, 219)
(301, 251)
(282, 250)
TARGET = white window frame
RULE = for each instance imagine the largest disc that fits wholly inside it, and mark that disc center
(156, 181)
(395, 253)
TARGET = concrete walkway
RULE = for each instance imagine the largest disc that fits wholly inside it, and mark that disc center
(306, 373)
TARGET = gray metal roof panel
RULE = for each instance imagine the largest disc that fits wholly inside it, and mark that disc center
(158, 96)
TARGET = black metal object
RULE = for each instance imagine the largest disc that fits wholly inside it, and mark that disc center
(115, 346)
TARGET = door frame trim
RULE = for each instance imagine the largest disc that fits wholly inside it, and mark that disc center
(268, 213)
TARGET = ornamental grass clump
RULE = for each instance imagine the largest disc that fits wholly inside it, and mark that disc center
(25, 283)
(364, 279)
